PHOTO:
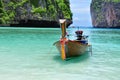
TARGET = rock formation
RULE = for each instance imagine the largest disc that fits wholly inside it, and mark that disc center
(105, 13)
(39, 13)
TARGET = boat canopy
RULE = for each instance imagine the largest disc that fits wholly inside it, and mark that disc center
(79, 32)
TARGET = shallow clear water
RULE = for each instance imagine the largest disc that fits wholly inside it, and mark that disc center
(29, 54)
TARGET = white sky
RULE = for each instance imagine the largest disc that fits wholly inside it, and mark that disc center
(81, 12)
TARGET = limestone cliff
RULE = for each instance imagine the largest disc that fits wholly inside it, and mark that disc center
(34, 12)
(105, 13)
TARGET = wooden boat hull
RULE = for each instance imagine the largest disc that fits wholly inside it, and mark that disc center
(72, 48)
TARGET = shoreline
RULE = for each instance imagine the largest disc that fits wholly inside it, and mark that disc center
(18, 27)
(36, 24)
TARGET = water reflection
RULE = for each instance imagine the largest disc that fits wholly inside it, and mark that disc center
(77, 59)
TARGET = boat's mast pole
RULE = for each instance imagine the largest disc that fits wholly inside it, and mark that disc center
(63, 39)
(63, 27)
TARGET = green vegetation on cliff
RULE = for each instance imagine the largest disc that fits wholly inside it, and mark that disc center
(111, 0)
(98, 3)
(7, 13)
(16, 10)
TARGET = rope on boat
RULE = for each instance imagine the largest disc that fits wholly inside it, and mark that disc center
(90, 49)
(50, 51)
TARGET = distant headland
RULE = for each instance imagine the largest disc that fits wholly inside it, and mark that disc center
(105, 13)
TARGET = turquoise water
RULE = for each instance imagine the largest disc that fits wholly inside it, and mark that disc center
(29, 54)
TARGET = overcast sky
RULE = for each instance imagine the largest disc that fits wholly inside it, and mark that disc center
(81, 12)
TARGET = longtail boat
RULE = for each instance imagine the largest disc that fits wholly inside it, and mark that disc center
(70, 48)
